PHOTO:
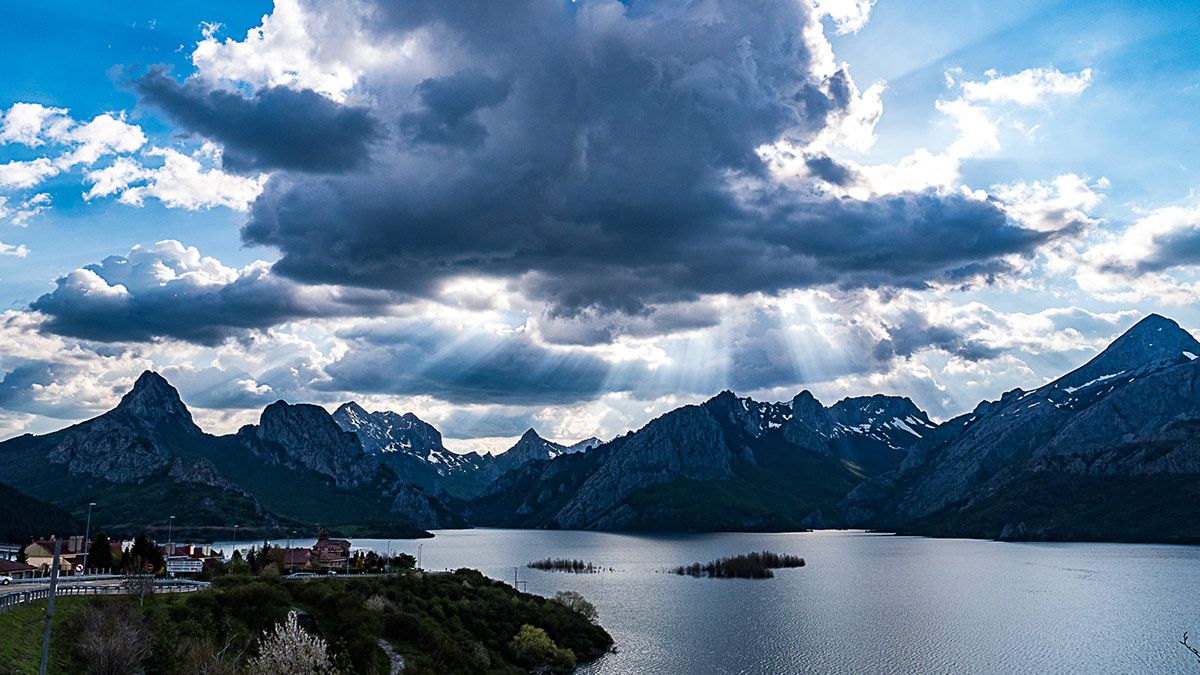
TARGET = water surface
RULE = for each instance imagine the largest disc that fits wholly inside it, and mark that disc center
(865, 603)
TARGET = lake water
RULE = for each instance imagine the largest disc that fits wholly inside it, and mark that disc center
(865, 603)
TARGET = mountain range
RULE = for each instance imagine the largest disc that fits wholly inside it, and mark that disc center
(1109, 451)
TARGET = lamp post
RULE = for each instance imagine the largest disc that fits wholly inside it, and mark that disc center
(171, 534)
(288, 554)
(419, 547)
(87, 535)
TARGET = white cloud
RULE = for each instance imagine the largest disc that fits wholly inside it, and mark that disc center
(849, 16)
(24, 123)
(181, 181)
(323, 49)
(26, 174)
(1028, 87)
(10, 250)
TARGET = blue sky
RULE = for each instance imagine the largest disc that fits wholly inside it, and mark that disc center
(402, 206)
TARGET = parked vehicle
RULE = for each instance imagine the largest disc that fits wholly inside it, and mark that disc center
(5, 580)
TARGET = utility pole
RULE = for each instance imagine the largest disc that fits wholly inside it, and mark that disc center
(288, 555)
(87, 536)
(171, 534)
(419, 547)
(50, 607)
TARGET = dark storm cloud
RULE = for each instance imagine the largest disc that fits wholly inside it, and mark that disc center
(419, 358)
(1177, 247)
(17, 389)
(448, 109)
(912, 332)
(607, 160)
(275, 128)
(829, 170)
(128, 298)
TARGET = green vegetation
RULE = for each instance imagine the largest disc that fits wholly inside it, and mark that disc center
(565, 565)
(439, 623)
(22, 517)
(757, 565)
(21, 636)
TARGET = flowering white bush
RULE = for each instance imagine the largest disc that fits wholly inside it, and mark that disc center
(290, 649)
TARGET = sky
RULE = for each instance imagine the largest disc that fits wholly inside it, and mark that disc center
(576, 215)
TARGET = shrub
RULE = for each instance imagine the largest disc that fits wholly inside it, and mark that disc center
(534, 649)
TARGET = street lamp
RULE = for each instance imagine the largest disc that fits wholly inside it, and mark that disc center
(419, 547)
(288, 554)
(87, 535)
(171, 534)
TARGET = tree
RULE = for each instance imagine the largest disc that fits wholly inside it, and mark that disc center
(290, 649)
(578, 603)
(534, 649)
(143, 552)
(100, 555)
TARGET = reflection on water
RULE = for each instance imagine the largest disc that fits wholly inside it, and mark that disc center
(866, 603)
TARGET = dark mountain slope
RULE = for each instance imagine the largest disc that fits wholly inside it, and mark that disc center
(1074, 459)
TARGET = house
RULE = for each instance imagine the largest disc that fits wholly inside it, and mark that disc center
(297, 558)
(40, 554)
(17, 570)
(9, 551)
(330, 552)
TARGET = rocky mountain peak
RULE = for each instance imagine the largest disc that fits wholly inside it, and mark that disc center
(530, 435)
(1155, 339)
(153, 402)
(807, 410)
(306, 435)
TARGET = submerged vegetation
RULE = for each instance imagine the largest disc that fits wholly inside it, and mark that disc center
(758, 565)
(566, 565)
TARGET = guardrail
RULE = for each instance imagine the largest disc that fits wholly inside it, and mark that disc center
(13, 598)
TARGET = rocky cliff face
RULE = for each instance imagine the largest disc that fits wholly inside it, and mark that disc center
(385, 432)
(1124, 413)
(305, 436)
(131, 441)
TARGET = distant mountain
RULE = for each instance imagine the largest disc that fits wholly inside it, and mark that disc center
(1108, 451)
(413, 449)
(146, 460)
(730, 463)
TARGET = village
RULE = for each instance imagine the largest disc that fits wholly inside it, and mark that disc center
(78, 556)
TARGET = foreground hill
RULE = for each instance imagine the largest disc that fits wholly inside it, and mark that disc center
(728, 464)
(1109, 451)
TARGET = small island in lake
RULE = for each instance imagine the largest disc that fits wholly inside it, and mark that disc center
(565, 565)
(758, 565)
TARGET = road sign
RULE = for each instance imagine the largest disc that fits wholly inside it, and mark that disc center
(78, 569)
(149, 567)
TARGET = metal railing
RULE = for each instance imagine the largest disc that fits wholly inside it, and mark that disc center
(13, 598)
